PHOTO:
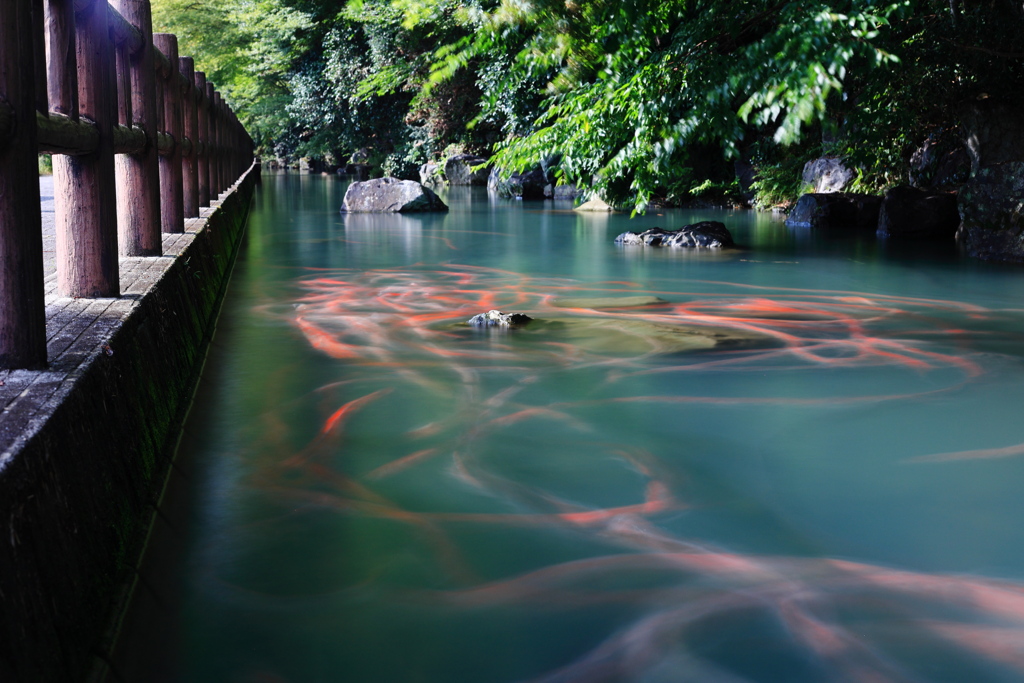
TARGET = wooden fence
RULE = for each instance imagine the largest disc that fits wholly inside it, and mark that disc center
(140, 142)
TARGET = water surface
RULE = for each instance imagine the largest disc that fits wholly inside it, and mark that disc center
(800, 462)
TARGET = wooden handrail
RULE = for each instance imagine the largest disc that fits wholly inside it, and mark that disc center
(103, 89)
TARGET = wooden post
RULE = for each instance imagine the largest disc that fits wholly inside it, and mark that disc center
(172, 207)
(39, 53)
(211, 131)
(62, 76)
(22, 302)
(138, 175)
(190, 163)
(218, 107)
(84, 199)
(204, 136)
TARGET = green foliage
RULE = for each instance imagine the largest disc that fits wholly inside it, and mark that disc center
(247, 48)
(645, 101)
(45, 164)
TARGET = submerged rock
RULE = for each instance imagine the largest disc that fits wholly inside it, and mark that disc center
(706, 234)
(608, 302)
(625, 336)
(498, 319)
(390, 195)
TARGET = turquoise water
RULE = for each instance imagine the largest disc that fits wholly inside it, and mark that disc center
(798, 461)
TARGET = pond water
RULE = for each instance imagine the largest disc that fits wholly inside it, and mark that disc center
(796, 461)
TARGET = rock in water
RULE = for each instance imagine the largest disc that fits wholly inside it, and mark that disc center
(837, 210)
(911, 213)
(706, 234)
(595, 204)
(992, 208)
(499, 319)
(391, 195)
(459, 170)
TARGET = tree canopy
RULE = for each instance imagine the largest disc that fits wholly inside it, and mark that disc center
(643, 100)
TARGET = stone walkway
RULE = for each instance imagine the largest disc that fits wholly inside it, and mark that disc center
(77, 329)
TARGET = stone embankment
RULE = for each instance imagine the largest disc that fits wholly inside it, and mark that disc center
(86, 444)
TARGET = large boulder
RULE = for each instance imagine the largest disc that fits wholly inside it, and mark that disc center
(529, 185)
(911, 213)
(993, 132)
(992, 213)
(706, 234)
(458, 170)
(827, 175)
(837, 210)
(390, 195)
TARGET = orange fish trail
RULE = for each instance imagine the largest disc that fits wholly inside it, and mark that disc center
(344, 412)
(402, 463)
(331, 430)
(323, 341)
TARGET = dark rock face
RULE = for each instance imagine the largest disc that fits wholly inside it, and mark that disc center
(994, 133)
(528, 185)
(498, 319)
(706, 234)
(911, 213)
(458, 170)
(827, 175)
(836, 210)
(390, 195)
(746, 174)
(992, 211)
(941, 162)
(360, 171)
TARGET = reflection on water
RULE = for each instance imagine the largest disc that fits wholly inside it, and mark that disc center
(797, 461)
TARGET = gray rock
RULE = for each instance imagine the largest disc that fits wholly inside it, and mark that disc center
(390, 195)
(566, 191)
(529, 185)
(430, 174)
(498, 319)
(595, 204)
(458, 170)
(827, 175)
(992, 212)
(837, 210)
(911, 213)
(706, 234)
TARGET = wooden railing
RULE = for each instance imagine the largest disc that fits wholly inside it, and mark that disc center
(140, 142)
